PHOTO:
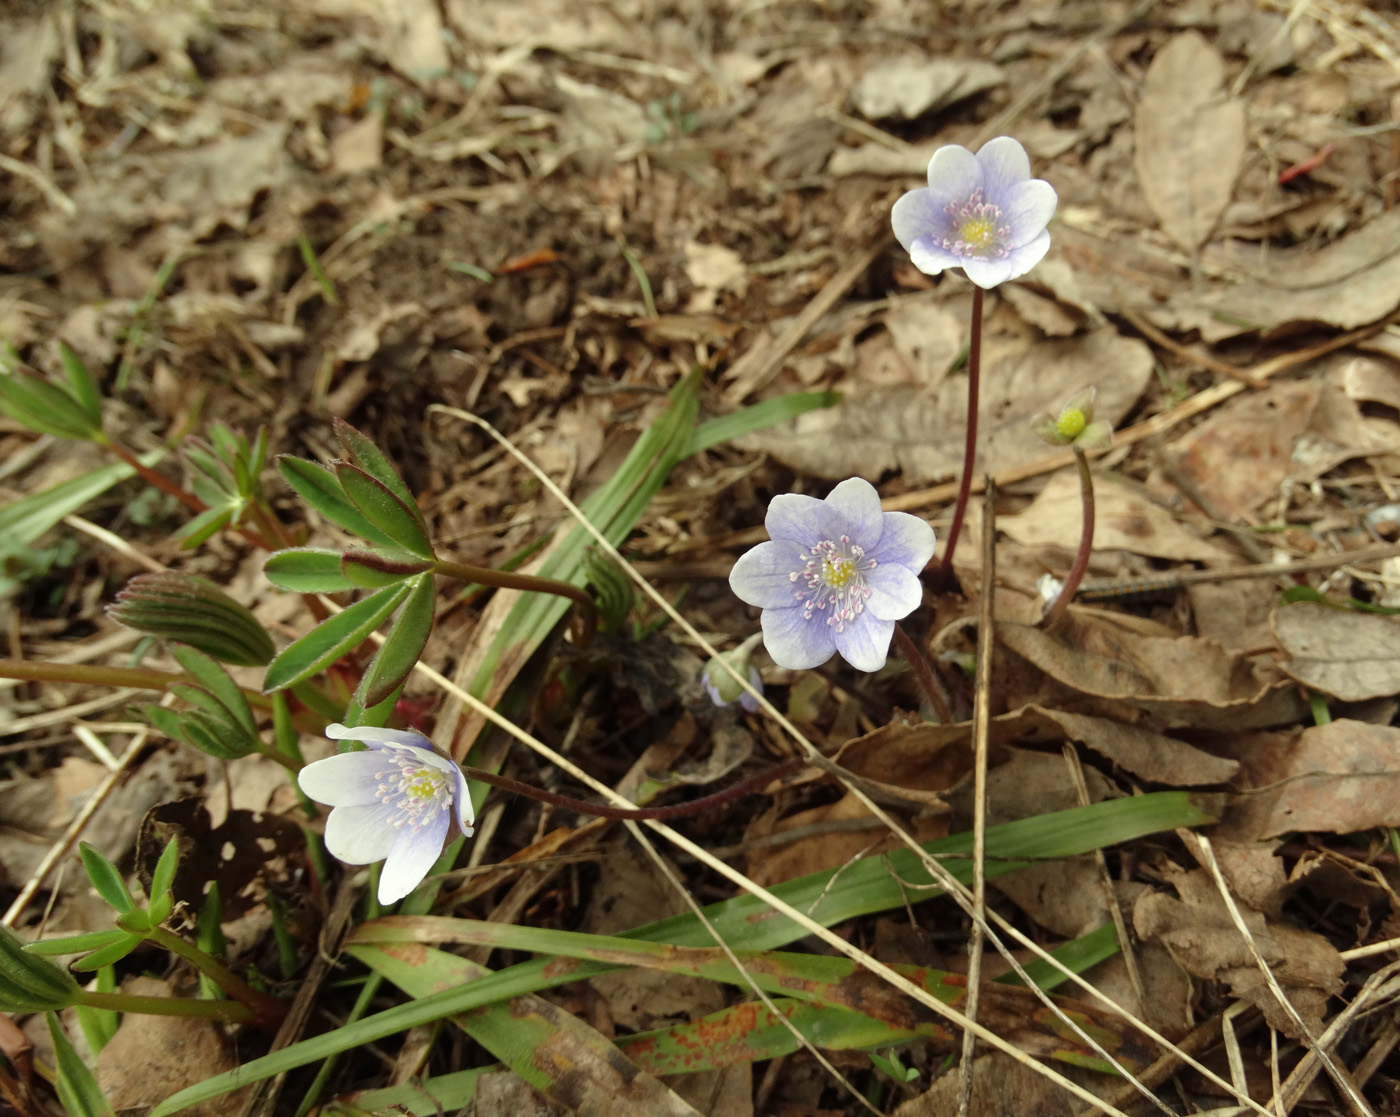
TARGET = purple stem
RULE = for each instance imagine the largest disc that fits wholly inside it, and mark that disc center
(1086, 545)
(944, 577)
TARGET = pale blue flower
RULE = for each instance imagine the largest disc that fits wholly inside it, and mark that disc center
(835, 576)
(394, 802)
(722, 687)
(982, 213)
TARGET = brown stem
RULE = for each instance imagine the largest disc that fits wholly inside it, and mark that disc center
(586, 615)
(1086, 545)
(944, 578)
(268, 1008)
(923, 671)
(638, 814)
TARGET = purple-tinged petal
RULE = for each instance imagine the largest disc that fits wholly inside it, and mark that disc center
(361, 834)
(800, 519)
(858, 504)
(931, 258)
(865, 645)
(349, 779)
(917, 214)
(906, 540)
(410, 859)
(954, 172)
(747, 700)
(895, 592)
(1027, 208)
(988, 273)
(763, 574)
(374, 736)
(1028, 255)
(1004, 163)
(797, 642)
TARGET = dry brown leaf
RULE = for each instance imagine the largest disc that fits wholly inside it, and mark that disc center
(921, 432)
(911, 85)
(1371, 380)
(1189, 139)
(1123, 521)
(1338, 778)
(1351, 656)
(1000, 1086)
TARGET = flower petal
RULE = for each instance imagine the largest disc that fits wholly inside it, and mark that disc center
(410, 859)
(895, 592)
(858, 504)
(797, 642)
(763, 574)
(919, 214)
(905, 540)
(462, 803)
(799, 519)
(373, 735)
(1027, 208)
(359, 835)
(347, 780)
(865, 645)
(1028, 255)
(931, 258)
(1004, 163)
(954, 172)
(988, 273)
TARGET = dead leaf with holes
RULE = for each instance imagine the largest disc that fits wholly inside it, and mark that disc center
(1197, 928)
(1338, 778)
(1351, 656)
(1189, 139)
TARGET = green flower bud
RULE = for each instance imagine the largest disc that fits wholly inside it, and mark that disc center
(722, 687)
(1074, 425)
(29, 983)
(195, 611)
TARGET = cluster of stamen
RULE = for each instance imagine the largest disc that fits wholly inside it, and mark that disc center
(419, 791)
(833, 577)
(975, 228)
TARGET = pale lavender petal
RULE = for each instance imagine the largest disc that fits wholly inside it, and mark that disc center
(410, 859)
(462, 802)
(906, 540)
(931, 258)
(374, 735)
(347, 780)
(858, 504)
(917, 214)
(1028, 255)
(747, 700)
(895, 592)
(1004, 163)
(954, 172)
(797, 642)
(865, 645)
(800, 519)
(360, 834)
(1027, 208)
(988, 273)
(762, 576)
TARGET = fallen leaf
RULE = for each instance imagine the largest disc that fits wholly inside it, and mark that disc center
(1123, 521)
(1000, 1085)
(1351, 656)
(1189, 139)
(912, 85)
(1337, 778)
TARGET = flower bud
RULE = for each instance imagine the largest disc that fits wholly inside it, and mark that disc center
(1074, 425)
(29, 983)
(722, 687)
(195, 611)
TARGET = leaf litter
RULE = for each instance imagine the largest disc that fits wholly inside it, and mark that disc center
(1225, 175)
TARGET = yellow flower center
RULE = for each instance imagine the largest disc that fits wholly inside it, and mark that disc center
(978, 232)
(838, 572)
(424, 784)
(1071, 423)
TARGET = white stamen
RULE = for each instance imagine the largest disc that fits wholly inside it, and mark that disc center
(833, 574)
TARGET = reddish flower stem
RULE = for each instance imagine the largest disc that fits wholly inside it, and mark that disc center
(923, 671)
(1086, 545)
(944, 577)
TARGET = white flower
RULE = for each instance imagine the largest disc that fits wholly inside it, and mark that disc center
(393, 802)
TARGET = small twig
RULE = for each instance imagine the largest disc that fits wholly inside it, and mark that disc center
(944, 578)
(1204, 360)
(1056, 612)
(923, 671)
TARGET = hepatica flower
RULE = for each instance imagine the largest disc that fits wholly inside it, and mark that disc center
(720, 685)
(835, 576)
(394, 802)
(982, 213)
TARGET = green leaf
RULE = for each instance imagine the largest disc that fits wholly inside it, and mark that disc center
(82, 387)
(218, 683)
(372, 569)
(332, 638)
(138, 922)
(755, 418)
(320, 488)
(306, 570)
(403, 645)
(44, 407)
(74, 944)
(106, 879)
(99, 1025)
(78, 1091)
(204, 526)
(367, 456)
(109, 955)
(383, 509)
(162, 902)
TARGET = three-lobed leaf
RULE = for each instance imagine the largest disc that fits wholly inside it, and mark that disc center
(396, 518)
(307, 570)
(332, 638)
(403, 645)
(320, 488)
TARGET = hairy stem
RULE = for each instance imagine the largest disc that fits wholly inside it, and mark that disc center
(944, 578)
(231, 1011)
(586, 613)
(639, 814)
(267, 1008)
(1056, 612)
(923, 671)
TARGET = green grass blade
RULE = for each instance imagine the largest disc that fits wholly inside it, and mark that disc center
(756, 418)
